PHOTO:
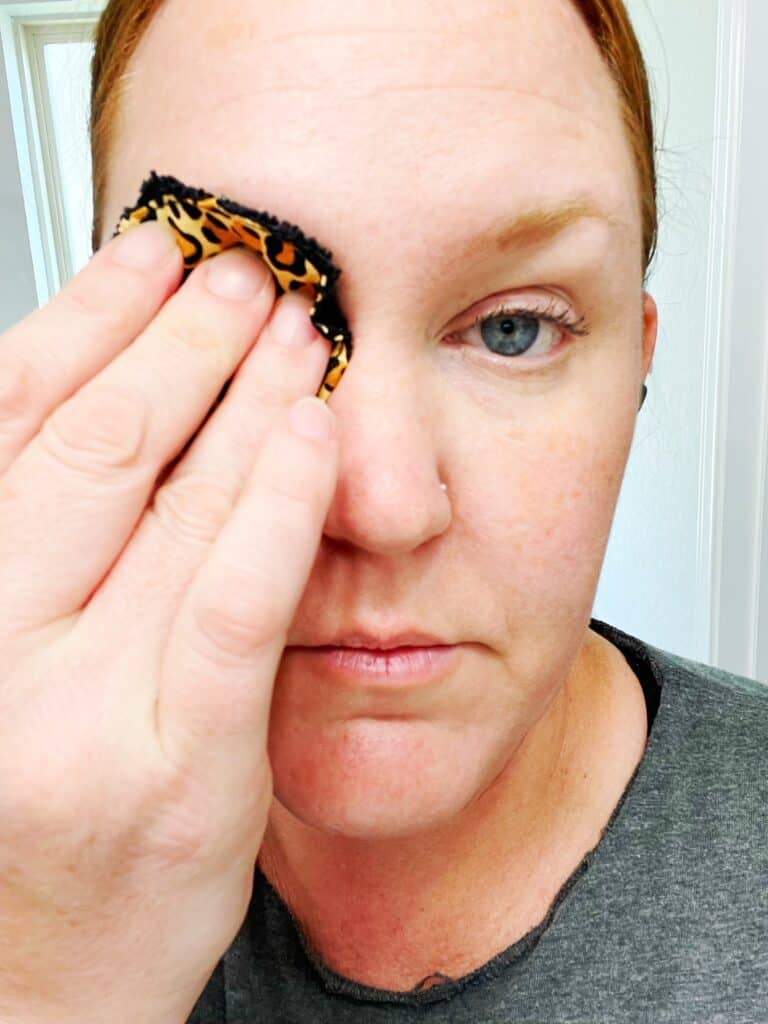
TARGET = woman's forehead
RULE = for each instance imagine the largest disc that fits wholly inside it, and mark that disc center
(405, 112)
(320, 55)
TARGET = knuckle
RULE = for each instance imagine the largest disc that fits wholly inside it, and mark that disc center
(194, 334)
(233, 631)
(261, 393)
(295, 496)
(16, 389)
(192, 825)
(46, 805)
(88, 303)
(96, 429)
(193, 507)
(184, 831)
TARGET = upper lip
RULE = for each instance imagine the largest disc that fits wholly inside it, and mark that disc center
(377, 642)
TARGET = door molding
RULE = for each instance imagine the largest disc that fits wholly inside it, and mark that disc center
(25, 29)
(734, 482)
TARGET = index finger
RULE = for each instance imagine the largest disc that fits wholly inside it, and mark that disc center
(52, 352)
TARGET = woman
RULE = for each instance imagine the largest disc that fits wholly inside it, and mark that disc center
(532, 816)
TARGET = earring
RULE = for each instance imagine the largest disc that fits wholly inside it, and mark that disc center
(643, 395)
(443, 486)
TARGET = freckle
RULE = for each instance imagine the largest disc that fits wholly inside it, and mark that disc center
(221, 36)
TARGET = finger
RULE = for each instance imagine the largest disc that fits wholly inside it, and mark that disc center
(190, 508)
(52, 352)
(288, 362)
(71, 499)
(225, 645)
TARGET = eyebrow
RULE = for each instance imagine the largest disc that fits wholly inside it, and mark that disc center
(536, 225)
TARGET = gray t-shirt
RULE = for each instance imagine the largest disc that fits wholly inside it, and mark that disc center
(665, 921)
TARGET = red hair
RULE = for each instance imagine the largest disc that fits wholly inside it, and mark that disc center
(123, 23)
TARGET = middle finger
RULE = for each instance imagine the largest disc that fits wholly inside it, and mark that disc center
(282, 367)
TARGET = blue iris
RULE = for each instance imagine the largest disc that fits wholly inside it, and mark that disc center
(512, 336)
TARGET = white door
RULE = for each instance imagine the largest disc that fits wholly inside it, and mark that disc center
(683, 565)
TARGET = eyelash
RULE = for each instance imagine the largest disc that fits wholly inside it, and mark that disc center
(562, 319)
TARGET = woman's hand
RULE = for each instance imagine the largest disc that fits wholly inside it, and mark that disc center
(141, 626)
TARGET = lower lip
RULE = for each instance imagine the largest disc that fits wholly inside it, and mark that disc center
(398, 666)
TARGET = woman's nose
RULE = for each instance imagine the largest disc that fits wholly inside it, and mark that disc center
(388, 498)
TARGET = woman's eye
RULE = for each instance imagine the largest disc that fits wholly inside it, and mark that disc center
(514, 335)
(507, 331)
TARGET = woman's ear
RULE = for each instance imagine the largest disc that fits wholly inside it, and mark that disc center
(650, 331)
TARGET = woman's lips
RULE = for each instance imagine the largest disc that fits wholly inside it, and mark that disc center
(396, 666)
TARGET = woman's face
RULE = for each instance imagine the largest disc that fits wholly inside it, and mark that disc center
(410, 139)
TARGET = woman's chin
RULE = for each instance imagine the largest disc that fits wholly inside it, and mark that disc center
(370, 819)
(374, 779)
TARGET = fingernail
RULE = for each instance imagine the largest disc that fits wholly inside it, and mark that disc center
(236, 274)
(311, 418)
(146, 245)
(291, 326)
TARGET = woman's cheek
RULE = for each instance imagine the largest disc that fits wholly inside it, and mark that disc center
(545, 506)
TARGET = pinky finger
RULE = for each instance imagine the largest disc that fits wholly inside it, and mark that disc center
(224, 647)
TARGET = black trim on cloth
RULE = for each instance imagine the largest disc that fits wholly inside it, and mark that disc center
(156, 186)
(636, 656)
